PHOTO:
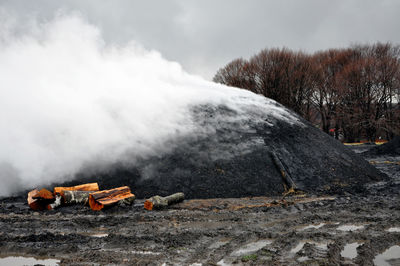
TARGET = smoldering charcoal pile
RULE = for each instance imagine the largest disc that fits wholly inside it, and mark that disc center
(233, 157)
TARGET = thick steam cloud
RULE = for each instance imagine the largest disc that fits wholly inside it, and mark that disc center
(67, 99)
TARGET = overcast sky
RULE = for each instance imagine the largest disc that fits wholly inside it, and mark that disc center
(204, 35)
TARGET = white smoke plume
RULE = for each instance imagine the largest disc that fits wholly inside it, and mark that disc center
(67, 99)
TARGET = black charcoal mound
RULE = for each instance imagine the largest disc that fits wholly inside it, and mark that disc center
(231, 157)
(391, 148)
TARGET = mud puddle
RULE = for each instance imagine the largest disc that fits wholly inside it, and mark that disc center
(350, 227)
(389, 257)
(311, 226)
(98, 235)
(219, 243)
(300, 245)
(251, 247)
(20, 260)
(350, 250)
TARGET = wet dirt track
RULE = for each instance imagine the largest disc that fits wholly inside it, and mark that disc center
(344, 229)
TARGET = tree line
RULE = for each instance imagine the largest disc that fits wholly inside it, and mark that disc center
(352, 92)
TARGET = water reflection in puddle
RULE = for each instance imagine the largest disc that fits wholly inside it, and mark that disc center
(311, 226)
(94, 234)
(394, 230)
(143, 252)
(139, 252)
(219, 243)
(300, 245)
(350, 227)
(302, 259)
(389, 254)
(223, 263)
(251, 247)
(350, 250)
(7, 261)
(98, 235)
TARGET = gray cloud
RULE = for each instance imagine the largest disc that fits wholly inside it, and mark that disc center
(204, 35)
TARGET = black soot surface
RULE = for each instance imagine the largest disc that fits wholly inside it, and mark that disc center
(231, 157)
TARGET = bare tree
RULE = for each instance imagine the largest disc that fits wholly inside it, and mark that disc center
(236, 74)
(356, 90)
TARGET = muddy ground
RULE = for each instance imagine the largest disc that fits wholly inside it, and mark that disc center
(344, 229)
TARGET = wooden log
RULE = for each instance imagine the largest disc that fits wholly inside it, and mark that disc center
(106, 198)
(33, 203)
(83, 187)
(39, 200)
(158, 202)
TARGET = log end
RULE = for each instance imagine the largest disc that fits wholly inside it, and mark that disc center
(148, 205)
(36, 206)
(33, 203)
(32, 194)
(94, 205)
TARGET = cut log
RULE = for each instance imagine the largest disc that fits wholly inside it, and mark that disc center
(106, 198)
(33, 203)
(158, 202)
(83, 187)
(39, 200)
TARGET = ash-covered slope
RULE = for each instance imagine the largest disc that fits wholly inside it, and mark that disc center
(231, 157)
